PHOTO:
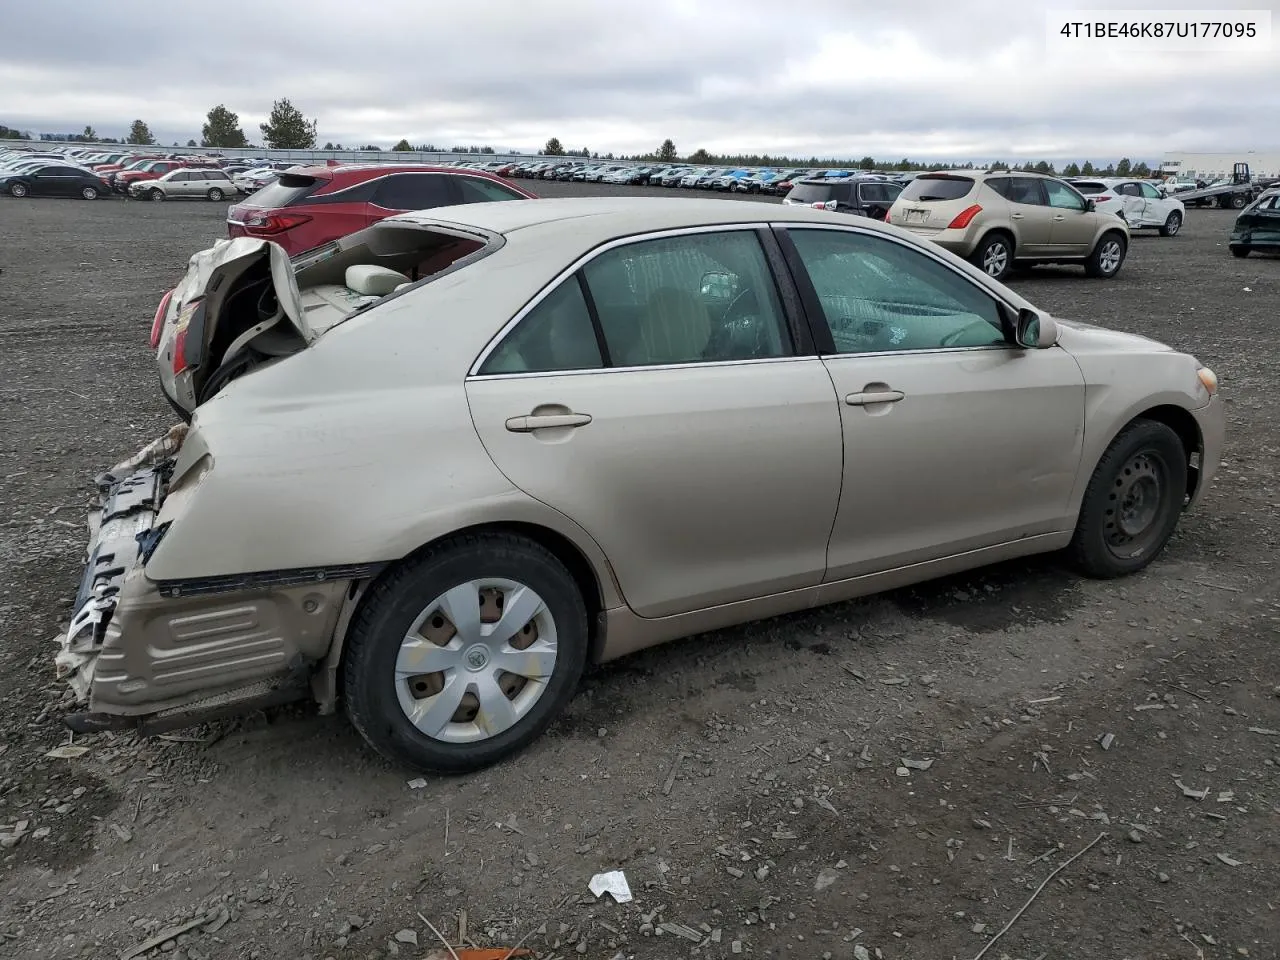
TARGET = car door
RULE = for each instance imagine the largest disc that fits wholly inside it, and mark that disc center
(954, 439)
(1135, 204)
(673, 416)
(1073, 227)
(55, 181)
(1030, 214)
(1157, 208)
(401, 192)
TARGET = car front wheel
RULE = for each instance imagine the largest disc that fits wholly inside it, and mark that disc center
(463, 656)
(18, 190)
(215, 194)
(156, 195)
(1107, 257)
(1172, 225)
(1132, 503)
(89, 193)
(1239, 250)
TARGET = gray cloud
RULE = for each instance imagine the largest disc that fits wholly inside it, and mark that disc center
(828, 77)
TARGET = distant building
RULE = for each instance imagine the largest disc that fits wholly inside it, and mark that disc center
(1210, 166)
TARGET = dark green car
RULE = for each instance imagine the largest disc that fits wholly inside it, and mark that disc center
(1258, 226)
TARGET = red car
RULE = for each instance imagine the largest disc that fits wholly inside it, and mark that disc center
(313, 205)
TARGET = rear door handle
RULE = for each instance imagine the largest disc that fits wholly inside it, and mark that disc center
(1059, 217)
(1016, 216)
(531, 423)
(866, 399)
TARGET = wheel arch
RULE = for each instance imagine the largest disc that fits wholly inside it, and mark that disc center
(327, 683)
(1003, 230)
(1178, 419)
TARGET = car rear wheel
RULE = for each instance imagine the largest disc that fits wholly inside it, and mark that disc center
(215, 194)
(1239, 201)
(89, 193)
(463, 656)
(1239, 250)
(1132, 503)
(155, 195)
(18, 190)
(1107, 257)
(994, 256)
(1172, 225)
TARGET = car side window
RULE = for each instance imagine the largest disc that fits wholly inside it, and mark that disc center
(701, 297)
(1002, 186)
(1148, 191)
(555, 335)
(413, 191)
(477, 190)
(1026, 190)
(1062, 196)
(1129, 190)
(880, 296)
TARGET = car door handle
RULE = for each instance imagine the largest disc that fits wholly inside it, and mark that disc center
(879, 396)
(1016, 216)
(1059, 217)
(530, 423)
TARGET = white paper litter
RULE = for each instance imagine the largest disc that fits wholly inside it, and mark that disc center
(417, 784)
(613, 883)
(68, 751)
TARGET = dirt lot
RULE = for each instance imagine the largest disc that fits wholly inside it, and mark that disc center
(751, 783)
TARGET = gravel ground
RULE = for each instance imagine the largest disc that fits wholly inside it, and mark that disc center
(889, 778)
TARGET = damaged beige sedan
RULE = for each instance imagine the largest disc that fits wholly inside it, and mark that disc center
(430, 471)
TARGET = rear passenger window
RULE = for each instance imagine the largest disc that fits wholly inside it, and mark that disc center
(413, 191)
(555, 335)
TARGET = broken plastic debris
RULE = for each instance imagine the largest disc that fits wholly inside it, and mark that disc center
(417, 784)
(917, 764)
(613, 883)
(68, 751)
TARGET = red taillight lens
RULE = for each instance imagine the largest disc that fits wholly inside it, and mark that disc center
(1103, 198)
(158, 323)
(276, 222)
(965, 217)
(180, 351)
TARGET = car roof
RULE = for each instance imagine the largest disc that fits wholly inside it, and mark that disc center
(606, 218)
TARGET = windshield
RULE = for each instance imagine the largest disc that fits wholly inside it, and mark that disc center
(937, 187)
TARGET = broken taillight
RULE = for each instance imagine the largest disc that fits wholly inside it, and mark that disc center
(157, 325)
(965, 217)
(276, 222)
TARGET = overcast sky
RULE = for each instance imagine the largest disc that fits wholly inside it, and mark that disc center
(925, 79)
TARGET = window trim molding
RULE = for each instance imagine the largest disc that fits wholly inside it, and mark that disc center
(753, 228)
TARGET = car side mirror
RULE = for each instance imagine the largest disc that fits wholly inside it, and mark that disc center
(1090, 206)
(1035, 331)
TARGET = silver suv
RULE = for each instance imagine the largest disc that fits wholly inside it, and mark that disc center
(997, 218)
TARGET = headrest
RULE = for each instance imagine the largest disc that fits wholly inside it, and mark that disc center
(373, 281)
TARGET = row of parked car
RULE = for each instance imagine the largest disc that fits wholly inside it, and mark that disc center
(770, 181)
(92, 173)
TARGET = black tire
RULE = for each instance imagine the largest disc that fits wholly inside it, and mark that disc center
(994, 256)
(155, 195)
(389, 610)
(1100, 263)
(1172, 225)
(89, 193)
(215, 194)
(1239, 201)
(18, 190)
(1146, 459)
(1239, 250)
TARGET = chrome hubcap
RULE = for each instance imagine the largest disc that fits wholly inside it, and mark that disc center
(1174, 224)
(1135, 500)
(476, 660)
(995, 259)
(1109, 258)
